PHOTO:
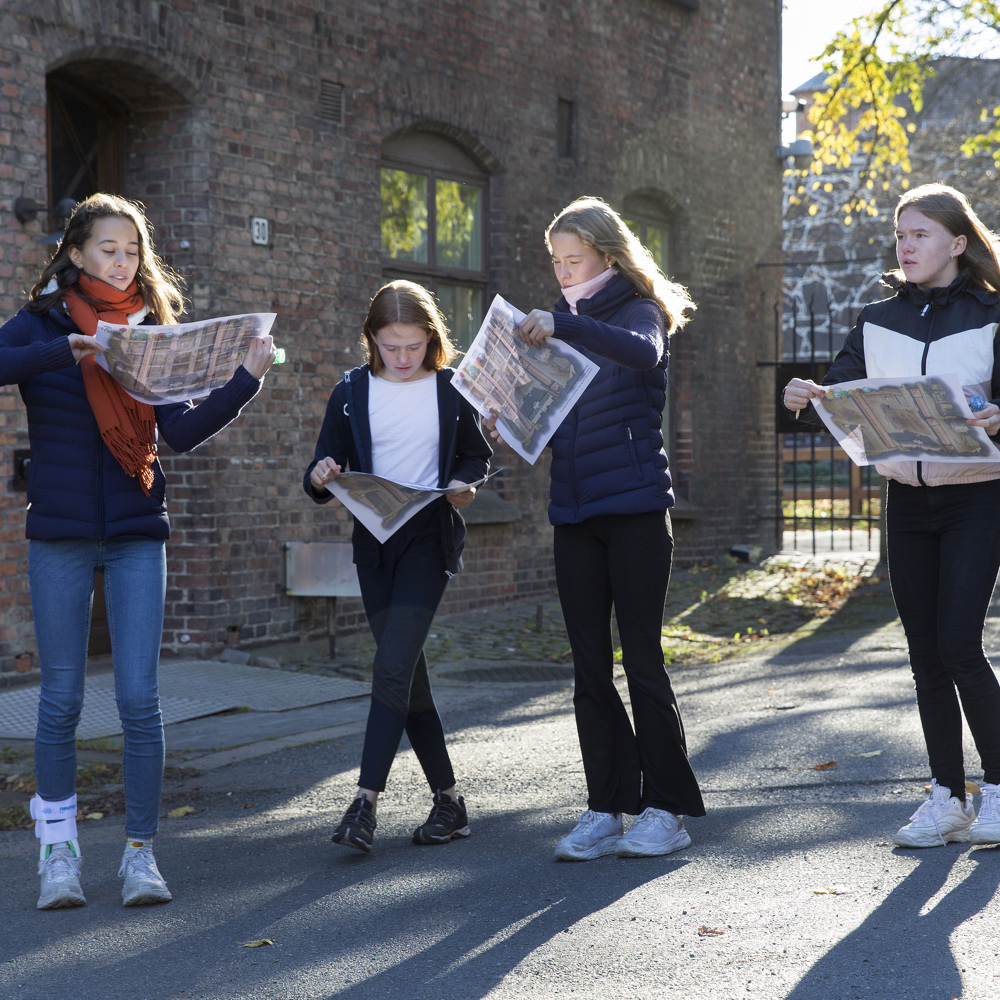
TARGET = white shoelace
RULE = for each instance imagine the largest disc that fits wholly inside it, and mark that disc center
(650, 817)
(588, 821)
(930, 807)
(60, 868)
(989, 808)
(140, 864)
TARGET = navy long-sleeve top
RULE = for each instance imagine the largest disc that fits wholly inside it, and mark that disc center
(607, 455)
(76, 488)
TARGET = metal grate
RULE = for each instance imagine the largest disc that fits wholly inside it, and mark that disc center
(331, 102)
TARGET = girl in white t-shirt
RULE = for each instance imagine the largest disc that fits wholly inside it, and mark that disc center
(398, 416)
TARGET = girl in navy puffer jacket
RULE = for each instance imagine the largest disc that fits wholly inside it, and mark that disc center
(96, 503)
(613, 544)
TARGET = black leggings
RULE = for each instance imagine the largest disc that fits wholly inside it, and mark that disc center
(400, 596)
(944, 554)
(623, 561)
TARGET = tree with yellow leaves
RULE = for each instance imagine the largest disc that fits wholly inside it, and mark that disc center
(877, 68)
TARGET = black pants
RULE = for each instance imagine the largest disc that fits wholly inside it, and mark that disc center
(944, 553)
(400, 596)
(623, 561)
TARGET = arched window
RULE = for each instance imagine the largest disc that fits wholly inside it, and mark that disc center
(649, 219)
(434, 212)
(85, 139)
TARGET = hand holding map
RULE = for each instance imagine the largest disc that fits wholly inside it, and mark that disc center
(531, 389)
(384, 506)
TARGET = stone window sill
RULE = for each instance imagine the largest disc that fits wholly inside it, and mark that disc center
(491, 508)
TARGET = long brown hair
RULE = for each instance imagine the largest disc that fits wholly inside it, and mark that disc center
(157, 283)
(598, 226)
(980, 260)
(407, 302)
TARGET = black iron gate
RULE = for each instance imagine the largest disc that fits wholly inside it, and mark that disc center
(823, 502)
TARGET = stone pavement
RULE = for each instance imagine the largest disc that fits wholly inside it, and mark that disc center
(790, 891)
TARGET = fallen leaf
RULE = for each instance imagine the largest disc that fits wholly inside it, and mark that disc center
(180, 811)
(706, 931)
(871, 753)
(260, 943)
(824, 767)
(248, 805)
(94, 816)
(831, 891)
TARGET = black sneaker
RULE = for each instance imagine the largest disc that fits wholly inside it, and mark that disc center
(357, 826)
(448, 819)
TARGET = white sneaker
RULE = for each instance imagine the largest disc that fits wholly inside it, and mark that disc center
(595, 835)
(654, 832)
(59, 866)
(143, 881)
(986, 829)
(941, 820)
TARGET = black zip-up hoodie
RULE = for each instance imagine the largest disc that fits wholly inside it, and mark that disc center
(346, 438)
(934, 331)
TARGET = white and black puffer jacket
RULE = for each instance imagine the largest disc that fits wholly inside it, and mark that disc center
(935, 331)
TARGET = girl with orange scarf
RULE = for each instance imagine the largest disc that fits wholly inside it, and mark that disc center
(96, 504)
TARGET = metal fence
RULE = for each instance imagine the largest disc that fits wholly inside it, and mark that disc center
(822, 499)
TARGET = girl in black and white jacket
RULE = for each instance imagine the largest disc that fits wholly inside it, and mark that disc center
(942, 519)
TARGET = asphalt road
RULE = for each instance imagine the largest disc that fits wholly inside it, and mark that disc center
(746, 911)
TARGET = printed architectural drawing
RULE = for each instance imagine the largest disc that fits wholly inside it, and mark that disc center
(916, 419)
(531, 389)
(388, 500)
(169, 364)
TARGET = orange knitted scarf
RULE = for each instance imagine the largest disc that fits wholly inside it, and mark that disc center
(127, 426)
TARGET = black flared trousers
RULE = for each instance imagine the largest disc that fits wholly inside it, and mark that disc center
(622, 562)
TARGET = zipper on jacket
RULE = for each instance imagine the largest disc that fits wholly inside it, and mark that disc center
(350, 410)
(923, 371)
(633, 454)
(572, 468)
(449, 455)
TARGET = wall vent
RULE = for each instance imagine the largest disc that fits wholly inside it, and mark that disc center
(331, 102)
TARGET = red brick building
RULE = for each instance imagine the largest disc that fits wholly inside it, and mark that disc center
(463, 127)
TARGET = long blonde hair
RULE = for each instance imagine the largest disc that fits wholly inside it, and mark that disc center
(980, 261)
(598, 226)
(156, 282)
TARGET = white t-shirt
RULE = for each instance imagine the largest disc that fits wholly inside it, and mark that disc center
(406, 431)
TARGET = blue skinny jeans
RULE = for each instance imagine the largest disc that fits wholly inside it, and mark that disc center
(61, 575)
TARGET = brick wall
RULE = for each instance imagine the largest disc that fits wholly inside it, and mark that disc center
(224, 124)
